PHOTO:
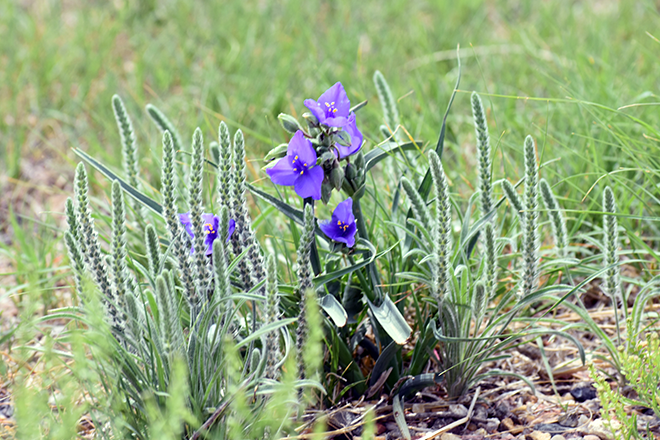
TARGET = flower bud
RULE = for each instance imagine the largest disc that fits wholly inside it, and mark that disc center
(343, 138)
(359, 160)
(327, 156)
(337, 177)
(326, 192)
(311, 119)
(351, 171)
(276, 153)
(289, 123)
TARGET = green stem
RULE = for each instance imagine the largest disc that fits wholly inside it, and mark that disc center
(372, 272)
(314, 253)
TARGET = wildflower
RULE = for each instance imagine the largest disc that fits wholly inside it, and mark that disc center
(298, 168)
(342, 226)
(356, 139)
(211, 228)
(332, 108)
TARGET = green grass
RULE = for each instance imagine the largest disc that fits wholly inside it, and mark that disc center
(556, 70)
(246, 62)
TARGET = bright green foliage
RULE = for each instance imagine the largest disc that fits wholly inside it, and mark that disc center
(640, 362)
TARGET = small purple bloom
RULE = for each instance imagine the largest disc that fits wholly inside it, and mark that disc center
(211, 228)
(230, 229)
(298, 168)
(356, 139)
(342, 227)
(332, 108)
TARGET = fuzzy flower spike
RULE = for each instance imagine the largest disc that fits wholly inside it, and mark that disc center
(342, 226)
(333, 107)
(211, 228)
(298, 168)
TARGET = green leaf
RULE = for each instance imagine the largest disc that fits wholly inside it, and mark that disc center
(137, 195)
(425, 186)
(323, 279)
(293, 213)
(334, 310)
(389, 317)
(383, 361)
(387, 149)
(400, 417)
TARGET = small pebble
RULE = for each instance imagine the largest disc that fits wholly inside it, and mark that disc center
(449, 436)
(584, 391)
(538, 435)
(558, 437)
(590, 437)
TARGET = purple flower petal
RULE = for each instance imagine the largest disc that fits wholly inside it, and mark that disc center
(342, 227)
(301, 151)
(187, 223)
(316, 109)
(356, 139)
(344, 211)
(231, 229)
(336, 97)
(332, 108)
(299, 168)
(282, 172)
(309, 183)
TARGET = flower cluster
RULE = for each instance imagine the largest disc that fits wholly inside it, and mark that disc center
(311, 161)
(211, 228)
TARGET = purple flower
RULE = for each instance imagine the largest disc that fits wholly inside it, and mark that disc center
(298, 168)
(332, 108)
(342, 227)
(356, 139)
(211, 228)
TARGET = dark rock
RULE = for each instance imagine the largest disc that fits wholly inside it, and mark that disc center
(583, 392)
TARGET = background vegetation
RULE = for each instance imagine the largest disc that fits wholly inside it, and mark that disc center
(558, 70)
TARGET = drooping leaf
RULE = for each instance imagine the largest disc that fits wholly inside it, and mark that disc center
(387, 149)
(400, 417)
(391, 320)
(137, 195)
(334, 310)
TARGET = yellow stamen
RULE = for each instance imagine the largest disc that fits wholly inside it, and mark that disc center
(302, 172)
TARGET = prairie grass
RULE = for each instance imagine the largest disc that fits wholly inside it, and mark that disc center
(579, 77)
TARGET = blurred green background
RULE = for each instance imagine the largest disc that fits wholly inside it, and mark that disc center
(556, 69)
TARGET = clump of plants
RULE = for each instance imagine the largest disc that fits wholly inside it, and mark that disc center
(207, 318)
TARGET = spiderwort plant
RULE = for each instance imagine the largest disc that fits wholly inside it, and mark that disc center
(299, 168)
(333, 136)
(211, 229)
(341, 228)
